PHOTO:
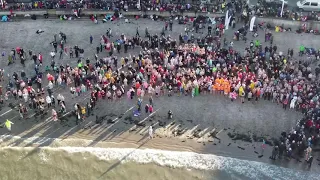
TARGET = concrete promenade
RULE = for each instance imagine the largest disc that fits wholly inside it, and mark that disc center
(273, 21)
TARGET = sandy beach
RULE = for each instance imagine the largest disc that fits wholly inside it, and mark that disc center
(206, 125)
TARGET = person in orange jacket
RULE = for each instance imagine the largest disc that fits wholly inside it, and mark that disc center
(221, 83)
(226, 87)
(216, 84)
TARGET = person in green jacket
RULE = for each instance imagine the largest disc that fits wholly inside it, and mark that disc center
(197, 90)
(80, 65)
(257, 43)
(301, 50)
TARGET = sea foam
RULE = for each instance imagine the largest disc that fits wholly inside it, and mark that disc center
(180, 159)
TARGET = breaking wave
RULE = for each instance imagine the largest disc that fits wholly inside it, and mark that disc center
(178, 159)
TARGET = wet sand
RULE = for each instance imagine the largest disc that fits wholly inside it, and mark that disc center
(139, 140)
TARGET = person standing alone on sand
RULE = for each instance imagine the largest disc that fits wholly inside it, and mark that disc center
(91, 39)
(150, 132)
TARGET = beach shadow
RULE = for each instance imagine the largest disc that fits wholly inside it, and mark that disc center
(120, 161)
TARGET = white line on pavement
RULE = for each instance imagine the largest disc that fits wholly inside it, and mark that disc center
(6, 112)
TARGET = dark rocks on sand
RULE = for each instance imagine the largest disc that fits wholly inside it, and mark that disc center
(138, 123)
(128, 118)
(231, 135)
(196, 134)
(229, 144)
(243, 137)
(178, 132)
(99, 120)
(162, 123)
(111, 121)
(213, 134)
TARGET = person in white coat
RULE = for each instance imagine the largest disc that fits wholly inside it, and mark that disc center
(25, 96)
(49, 101)
(293, 102)
(50, 85)
(60, 98)
(150, 131)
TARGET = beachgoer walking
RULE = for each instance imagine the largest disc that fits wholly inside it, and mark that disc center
(54, 115)
(263, 146)
(308, 152)
(150, 131)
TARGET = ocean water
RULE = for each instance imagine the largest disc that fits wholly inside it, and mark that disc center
(45, 163)
(65, 162)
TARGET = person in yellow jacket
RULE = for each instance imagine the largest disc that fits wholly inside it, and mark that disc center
(143, 62)
(241, 94)
(83, 110)
(252, 85)
(122, 62)
(108, 75)
(223, 5)
(8, 124)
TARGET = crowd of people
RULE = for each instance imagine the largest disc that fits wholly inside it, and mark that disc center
(189, 67)
(262, 8)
